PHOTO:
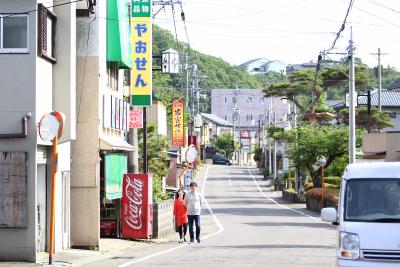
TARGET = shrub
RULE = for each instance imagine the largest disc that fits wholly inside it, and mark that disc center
(334, 180)
(329, 186)
(330, 195)
(308, 186)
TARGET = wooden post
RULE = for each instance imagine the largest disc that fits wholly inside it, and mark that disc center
(53, 189)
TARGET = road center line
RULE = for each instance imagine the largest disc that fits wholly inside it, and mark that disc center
(217, 222)
(275, 202)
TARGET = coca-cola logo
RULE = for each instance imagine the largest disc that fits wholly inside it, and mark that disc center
(133, 209)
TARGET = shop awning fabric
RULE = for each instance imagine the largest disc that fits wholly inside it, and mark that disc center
(118, 33)
(114, 144)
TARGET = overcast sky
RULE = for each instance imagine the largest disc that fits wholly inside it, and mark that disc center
(292, 31)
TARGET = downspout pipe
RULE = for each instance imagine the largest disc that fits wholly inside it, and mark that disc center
(22, 134)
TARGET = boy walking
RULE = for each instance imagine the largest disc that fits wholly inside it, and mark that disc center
(194, 201)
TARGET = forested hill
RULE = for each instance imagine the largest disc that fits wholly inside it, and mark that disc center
(216, 72)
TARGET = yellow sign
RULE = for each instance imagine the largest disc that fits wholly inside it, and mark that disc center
(141, 78)
(178, 134)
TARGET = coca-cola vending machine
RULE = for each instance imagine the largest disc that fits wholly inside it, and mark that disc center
(137, 206)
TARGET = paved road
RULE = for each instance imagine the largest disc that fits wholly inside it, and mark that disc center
(251, 230)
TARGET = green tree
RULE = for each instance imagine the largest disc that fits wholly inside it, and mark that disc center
(223, 143)
(379, 120)
(157, 158)
(315, 85)
(310, 140)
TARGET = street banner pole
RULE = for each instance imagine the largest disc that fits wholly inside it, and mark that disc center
(51, 126)
(53, 190)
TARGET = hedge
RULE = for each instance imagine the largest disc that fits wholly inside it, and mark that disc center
(335, 180)
(330, 195)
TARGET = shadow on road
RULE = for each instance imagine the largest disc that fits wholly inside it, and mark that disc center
(275, 246)
(257, 212)
(295, 224)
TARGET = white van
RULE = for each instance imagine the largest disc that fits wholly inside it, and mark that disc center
(368, 218)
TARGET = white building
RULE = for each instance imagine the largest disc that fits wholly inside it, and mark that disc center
(264, 65)
(38, 69)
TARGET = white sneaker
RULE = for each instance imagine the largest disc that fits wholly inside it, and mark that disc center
(180, 240)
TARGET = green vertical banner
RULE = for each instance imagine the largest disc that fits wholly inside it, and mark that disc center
(142, 54)
(116, 165)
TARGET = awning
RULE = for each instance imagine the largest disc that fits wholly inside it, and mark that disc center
(114, 144)
(118, 33)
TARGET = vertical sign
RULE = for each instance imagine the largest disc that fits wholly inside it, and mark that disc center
(141, 78)
(136, 119)
(137, 206)
(178, 134)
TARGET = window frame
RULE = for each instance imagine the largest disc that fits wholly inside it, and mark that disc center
(43, 14)
(13, 50)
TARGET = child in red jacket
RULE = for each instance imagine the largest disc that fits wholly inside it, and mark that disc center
(180, 215)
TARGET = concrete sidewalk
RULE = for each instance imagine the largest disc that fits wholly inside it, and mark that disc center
(112, 248)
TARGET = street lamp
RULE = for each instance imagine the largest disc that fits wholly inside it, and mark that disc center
(170, 61)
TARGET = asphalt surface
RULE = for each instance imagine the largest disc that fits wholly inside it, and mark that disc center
(243, 225)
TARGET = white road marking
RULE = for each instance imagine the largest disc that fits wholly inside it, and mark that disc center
(274, 201)
(230, 182)
(217, 222)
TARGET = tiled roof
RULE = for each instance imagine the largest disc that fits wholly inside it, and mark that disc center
(216, 119)
(253, 60)
(395, 85)
(388, 98)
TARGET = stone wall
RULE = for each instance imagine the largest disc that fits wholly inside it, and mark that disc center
(163, 218)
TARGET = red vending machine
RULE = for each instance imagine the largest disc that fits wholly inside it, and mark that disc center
(137, 206)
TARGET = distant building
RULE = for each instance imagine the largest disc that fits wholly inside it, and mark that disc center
(295, 67)
(395, 86)
(264, 65)
(252, 104)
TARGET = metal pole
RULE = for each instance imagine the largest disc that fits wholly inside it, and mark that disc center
(187, 81)
(145, 163)
(269, 142)
(323, 187)
(133, 166)
(274, 150)
(352, 135)
(53, 190)
(380, 80)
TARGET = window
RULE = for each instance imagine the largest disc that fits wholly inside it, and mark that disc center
(14, 33)
(261, 100)
(392, 115)
(46, 33)
(225, 99)
(249, 100)
(226, 117)
(249, 117)
(112, 75)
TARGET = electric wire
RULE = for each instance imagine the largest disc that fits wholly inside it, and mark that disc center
(176, 33)
(383, 6)
(343, 26)
(36, 10)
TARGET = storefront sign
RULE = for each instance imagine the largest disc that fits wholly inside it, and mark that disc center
(192, 140)
(178, 134)
(137, 202)
(141, 78)
(136, 119)
(244, 134)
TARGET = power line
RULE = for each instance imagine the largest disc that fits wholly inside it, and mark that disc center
(176, 33)
(36, 10)
(343, 26)
(378, 17)
(383, 6)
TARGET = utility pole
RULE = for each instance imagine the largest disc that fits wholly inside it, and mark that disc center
(274, 149)
(269, 140)
(379, 54)
(352, 134)
(187, 80)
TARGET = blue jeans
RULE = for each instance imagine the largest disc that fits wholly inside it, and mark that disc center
(194, 219)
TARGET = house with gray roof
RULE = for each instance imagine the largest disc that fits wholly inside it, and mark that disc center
(395, 86)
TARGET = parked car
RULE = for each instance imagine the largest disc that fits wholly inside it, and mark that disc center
(219, 159)
(368, 215)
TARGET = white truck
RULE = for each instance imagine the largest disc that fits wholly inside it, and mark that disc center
(368, 216)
